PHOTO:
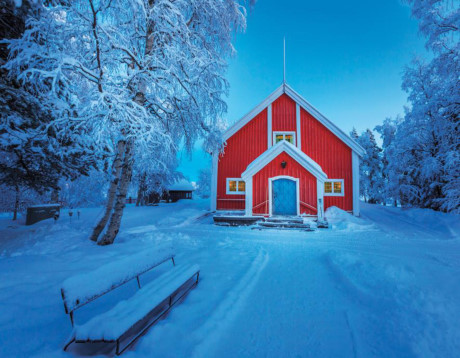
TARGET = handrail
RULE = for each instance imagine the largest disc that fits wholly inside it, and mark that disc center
(233, 199)
(255, 207)
(309, 206)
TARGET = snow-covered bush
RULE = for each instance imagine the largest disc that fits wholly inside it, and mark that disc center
(12, 201)
(85, 191)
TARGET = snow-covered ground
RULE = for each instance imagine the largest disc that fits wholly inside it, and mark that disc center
(384, 285)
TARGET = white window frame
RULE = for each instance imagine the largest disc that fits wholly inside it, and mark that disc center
(334, 181)
(234, 192)
(284, 133)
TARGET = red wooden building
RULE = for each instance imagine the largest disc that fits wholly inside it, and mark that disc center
(285, 158)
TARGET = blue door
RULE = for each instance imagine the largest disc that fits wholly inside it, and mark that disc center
(284, 197)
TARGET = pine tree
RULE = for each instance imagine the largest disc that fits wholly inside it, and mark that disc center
(371, 181)
(387, 132)
(424, 155)
(32, 155)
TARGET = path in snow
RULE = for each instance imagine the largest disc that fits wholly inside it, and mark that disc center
(383, 286)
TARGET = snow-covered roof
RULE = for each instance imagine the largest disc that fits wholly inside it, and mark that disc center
(285, 88)
(44, 205)
(284, 146)
(181, 185)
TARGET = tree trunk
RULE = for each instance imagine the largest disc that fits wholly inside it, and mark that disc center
(141, 190)
(116, 170)
(55, 196)
(16, 203)
(125, 179)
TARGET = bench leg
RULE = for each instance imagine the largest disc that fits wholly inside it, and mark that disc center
(69, 343)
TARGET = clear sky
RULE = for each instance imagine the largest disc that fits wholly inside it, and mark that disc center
(345, 57)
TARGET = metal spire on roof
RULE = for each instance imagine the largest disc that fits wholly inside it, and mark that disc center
(284, 60)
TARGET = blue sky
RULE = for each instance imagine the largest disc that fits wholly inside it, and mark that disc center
(344, 57)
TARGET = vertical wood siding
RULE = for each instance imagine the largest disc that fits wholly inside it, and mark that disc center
(307, 185)
(318, 143)
(283, 114)
(241, 149)
(334, 157)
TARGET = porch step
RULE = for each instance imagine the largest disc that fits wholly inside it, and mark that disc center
(235, 220)
(295, 228)
(284, 225)
(283, 219)
(322, 224)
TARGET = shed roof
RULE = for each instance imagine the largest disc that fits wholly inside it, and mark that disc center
(181, 185)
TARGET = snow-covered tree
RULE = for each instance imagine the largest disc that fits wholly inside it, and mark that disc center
(424, 155)
(204, 183)
(32, 155)
(370, 167)
(354, 134)
(16, 202)
(152, 177)
(85, 191)
(138, 75)
(387, 132)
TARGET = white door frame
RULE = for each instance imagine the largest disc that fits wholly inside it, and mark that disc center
(270, 191)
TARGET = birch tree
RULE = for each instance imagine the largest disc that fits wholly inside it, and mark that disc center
(138, 75)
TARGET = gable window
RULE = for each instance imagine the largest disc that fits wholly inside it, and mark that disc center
(287, 136)
(236, 186)
(334, 187)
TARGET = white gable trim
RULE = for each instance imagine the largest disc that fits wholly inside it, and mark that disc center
(298, 126)
(355, 178)
(323, 120)
(249, 116)
(215, 163)
(283, 146)
(269, 126)
(284, 88)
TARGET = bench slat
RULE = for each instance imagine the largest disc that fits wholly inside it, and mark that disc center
(84, 288)
(111, 325)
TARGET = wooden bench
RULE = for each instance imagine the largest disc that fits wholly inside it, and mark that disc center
(129, 319)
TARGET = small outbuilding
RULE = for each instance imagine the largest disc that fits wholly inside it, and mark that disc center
(181, 189)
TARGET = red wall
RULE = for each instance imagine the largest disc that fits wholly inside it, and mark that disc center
(318, 142)
(241, 149)
(283, 114)
(334, 157)
(307, 184)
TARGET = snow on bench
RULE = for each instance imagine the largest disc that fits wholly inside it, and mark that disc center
(129, 319)
(84, 288)
(112, 324)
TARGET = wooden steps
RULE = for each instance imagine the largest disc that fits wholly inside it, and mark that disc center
(274, 222)
(283, 223)
(282, 226)
(284, 219)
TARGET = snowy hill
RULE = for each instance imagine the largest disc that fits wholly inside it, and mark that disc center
(383, 285)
